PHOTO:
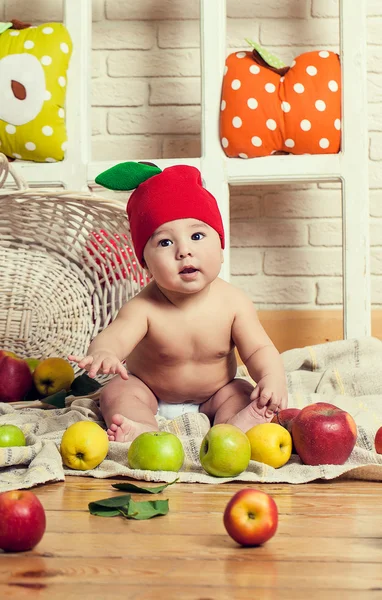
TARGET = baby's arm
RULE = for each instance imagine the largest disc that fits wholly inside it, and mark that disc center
(260, 356)
(115, 343)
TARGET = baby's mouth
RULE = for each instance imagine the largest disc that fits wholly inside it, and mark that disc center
(187, 270)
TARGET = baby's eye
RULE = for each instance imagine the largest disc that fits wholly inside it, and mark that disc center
(198, 236)
(165, 243)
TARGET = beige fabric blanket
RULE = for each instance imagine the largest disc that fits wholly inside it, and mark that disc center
(345, 373)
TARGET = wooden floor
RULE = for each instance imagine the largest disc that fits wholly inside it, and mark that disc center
(328, 545)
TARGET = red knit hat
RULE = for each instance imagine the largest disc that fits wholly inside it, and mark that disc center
(175, 193)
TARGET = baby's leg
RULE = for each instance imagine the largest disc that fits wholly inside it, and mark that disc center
(232, 404)
(128, 407)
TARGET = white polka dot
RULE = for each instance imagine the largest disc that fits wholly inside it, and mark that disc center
(236, 84)
(225, 70)
(270, 88)
(252, 103)
(256, 141)
(293, 64)
(62, 81)
(243, 155)
(305, 125)
(64, 48)
(282, 79)
(224, 142)
(47, 30)
(50, 160)
(285, 106)
(289, 143)
(16, 155)
(237, 122)
(324, 143)
(47, 130)
(46, 60)
(254, 69)
(61, 113)
(28, 45)
(47, 95)
(64, 146)
(241, 54)
(337, 124)
(10, 128)
(223, 105)
(271, 124)
(320, 105)
(30, 146)
(299, 88)
(333, 85)
(311, 70)
(14, 32)
(323, 54)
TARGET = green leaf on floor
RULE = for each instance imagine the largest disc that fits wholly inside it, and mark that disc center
(84, 385)
(109, 507)
(146, 509)
(131, 487)
(125, 506)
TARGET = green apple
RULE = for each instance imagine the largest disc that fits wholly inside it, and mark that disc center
(10, 435)
(156, 451)
(32, 363)
(225, 451)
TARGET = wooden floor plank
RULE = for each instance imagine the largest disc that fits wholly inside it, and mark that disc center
(219, 573)
(116, 591)
(343, 526)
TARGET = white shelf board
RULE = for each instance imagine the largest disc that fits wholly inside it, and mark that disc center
(283, 169)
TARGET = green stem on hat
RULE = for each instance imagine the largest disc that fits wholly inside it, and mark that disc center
(126, 176)
(270, 59)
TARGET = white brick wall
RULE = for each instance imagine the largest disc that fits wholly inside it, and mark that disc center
(146, 103)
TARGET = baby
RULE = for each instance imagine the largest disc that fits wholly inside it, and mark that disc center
(178, 335)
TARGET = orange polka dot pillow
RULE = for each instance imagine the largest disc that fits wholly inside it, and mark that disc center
(268, 109)
(33, 77)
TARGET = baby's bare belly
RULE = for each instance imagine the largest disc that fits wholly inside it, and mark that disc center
(194, 383)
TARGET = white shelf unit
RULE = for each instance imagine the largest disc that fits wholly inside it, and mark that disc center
(350, 166)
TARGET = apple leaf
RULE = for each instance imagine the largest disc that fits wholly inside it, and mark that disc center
(146, 510)
(130, 487)
(84, 385)
(57, 399)
(109, 507)
(125, 506)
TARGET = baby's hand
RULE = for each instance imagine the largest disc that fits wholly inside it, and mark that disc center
(102, 361)
(271, 393)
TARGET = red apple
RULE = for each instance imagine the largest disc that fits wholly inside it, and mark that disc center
(22, 522)
(251, 517)
(285, 418)
(324, 434)
(378, 441)
(15, 377)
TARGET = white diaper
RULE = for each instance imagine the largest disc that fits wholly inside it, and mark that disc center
(171, 411)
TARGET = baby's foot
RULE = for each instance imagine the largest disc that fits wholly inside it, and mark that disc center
(123, 429)
(250, 416)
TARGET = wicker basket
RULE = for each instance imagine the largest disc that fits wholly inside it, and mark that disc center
(66, 268)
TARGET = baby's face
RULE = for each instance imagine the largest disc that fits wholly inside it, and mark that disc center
(184, 255)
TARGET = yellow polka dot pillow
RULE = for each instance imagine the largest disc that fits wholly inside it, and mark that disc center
(269, 108)
(33, 76)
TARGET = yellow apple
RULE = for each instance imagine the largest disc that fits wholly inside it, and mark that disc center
(53, 375)
(270, 444)
(84, 445)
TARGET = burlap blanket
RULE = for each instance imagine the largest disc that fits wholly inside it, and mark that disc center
(345, 373)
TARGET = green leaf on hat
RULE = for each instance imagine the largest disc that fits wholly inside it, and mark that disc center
(126, 176)
(5, 26)
(270, 59)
